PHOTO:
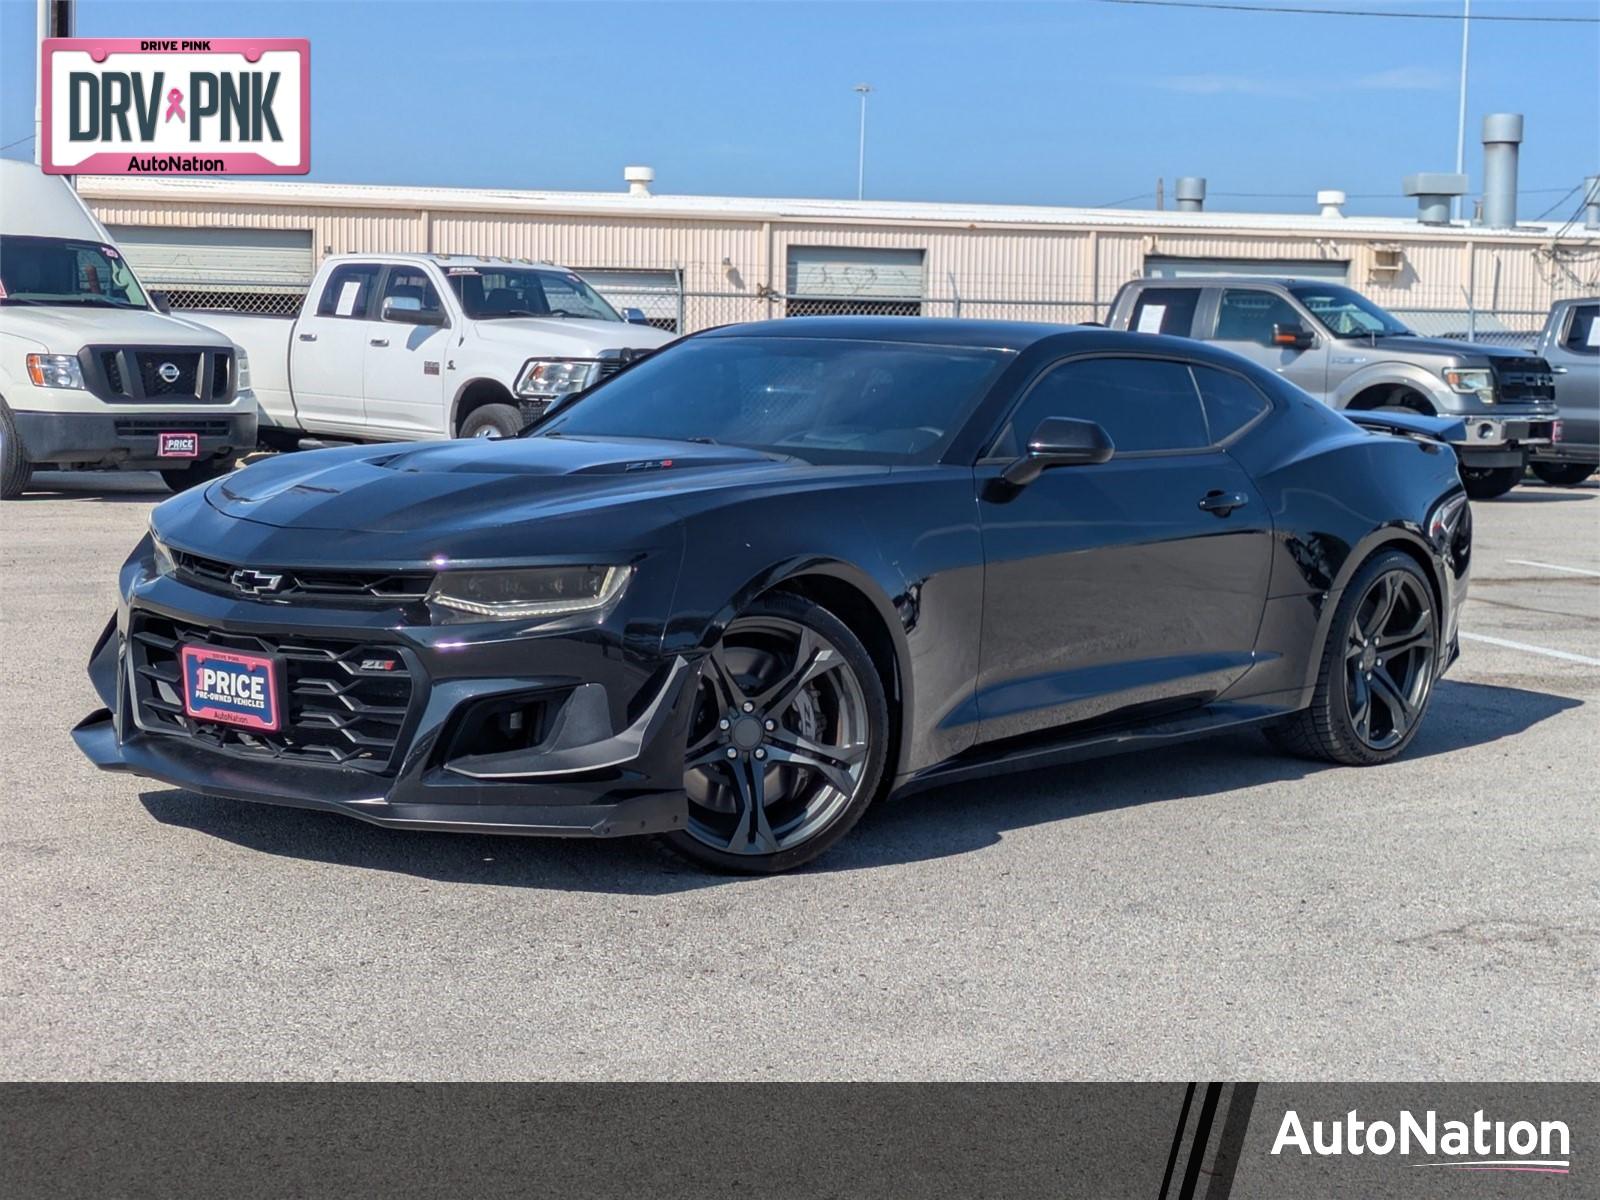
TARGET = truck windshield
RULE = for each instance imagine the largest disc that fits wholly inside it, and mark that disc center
(1346, 313)
(41, 270)
(490, 292)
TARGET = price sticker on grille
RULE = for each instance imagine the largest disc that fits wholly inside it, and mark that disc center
(230, 688)
(178, 445)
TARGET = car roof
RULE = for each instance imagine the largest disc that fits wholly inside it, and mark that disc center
(444, 260)
(1233, 281)
(931, 331)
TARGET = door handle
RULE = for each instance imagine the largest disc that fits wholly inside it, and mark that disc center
(1220, 503)
(378, 342)
(1558, 370)
(308, 337)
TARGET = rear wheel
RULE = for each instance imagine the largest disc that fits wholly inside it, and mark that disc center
(1376, 674)
(492, 421)
(15, 470)
(1485, 483)
(181, 479)
(788, 742)
(1563, 474)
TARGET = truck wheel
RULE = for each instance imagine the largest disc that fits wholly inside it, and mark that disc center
(1485, 483)
(15, 469)
(181, 479)
(492, 420)
(1563, 474)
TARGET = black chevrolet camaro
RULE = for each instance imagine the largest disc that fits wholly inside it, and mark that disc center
(756, 581)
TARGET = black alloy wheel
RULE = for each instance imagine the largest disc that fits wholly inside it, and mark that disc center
(1377, 669)
(787, 744)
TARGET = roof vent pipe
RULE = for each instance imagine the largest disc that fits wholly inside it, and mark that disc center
(1502, 134)
(1434, 191)
(639, 180)
(1331, 203)
(1190, 192)
(1591, 202)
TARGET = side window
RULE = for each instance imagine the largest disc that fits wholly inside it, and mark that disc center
(411, 282)
(1165, 310)
(1230, 402)
(1144, 404)
(1248, 315)
(349, 291)
(1583, 331)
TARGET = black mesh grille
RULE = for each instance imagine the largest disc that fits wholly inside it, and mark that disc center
(155, 366)
(367, 589)
(153, 426)
(110, 362)
(344, 703)
(1525, 381)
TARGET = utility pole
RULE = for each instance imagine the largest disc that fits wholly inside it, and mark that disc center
(53, 19)
(1461, 110)
(861, 145)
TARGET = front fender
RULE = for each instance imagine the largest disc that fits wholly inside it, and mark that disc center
(1392, 374)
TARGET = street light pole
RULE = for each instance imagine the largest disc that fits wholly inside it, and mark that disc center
(861, 145)
(1461, 111)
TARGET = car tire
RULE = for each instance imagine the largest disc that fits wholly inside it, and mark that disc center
(1381, 654)
(15, 469)
(1485, 483)
(818, 721)
(492, 420)
(181, 479)
(1562, 474)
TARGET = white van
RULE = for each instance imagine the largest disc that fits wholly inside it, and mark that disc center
(93, 372)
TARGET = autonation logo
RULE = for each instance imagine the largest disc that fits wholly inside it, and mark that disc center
(1476, 1145)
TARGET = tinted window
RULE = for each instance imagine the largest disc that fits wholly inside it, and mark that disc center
(1583, 333)
(349, 291)
(1231, 403)
(36, 270)
(1165, 310)
(411, 282)
(1144, 404)
(1246, 315)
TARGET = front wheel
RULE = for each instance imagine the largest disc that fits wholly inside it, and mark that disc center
(788, 741)
(1376, 674)
(181, 479)
(1563, 474)
(492, 421)
(15, 470)
(1485, 483)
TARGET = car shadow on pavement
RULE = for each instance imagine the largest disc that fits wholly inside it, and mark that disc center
(1535, 495)
(935, 824)
(103, 487)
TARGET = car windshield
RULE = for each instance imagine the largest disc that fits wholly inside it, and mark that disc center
(822, 400)
(1346, 313)
(487, 293)
(41, 270)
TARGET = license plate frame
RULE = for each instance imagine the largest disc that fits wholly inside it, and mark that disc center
(234, 703)
(177, 444)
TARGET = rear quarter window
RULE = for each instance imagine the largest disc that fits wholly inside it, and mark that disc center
(1165, 310)
(1230, 401)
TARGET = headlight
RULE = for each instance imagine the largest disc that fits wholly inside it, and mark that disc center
(55, 371)
(552, 378)
(1471, 382)
(533, 592)
(243, 360)
(165, 563)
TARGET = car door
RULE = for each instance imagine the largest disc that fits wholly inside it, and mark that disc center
(327, 355)
(404, 379)
(1136, 583)
(1244, 320)
(1575, 359)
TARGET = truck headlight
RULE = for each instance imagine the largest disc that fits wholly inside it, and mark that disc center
(243, 359)
(55, 371)
(552, 378)
(532, 592)
(1471, 382)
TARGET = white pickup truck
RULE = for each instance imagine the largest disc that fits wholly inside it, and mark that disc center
(93, 372)
(407, 346)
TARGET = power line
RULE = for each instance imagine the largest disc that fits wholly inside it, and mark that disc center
(1558, 203)
(1349, 12)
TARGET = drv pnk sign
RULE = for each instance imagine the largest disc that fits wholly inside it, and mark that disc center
(169, 106)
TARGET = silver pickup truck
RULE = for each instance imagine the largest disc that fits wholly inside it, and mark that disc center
(1570, 343)
(1347, 352)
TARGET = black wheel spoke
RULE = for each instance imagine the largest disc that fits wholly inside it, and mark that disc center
(1361, 706)
(814, 657)
(722, 678)
(1387, 591)
(752, 834)
(1389, 657)
(707, 751)
(1419, 634)
(833, 763)
(1393, 698)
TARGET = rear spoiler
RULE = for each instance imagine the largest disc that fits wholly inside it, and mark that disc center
(1440, 429)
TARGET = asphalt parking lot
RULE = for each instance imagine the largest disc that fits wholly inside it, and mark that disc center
(1211, 911)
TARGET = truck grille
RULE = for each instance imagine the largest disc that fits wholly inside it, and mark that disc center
(182, 369)
(133, 374)
(153, 426)
(340, 707)
(1528, 381)
(366, 589)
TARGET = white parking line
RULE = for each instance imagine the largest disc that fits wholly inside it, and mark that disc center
(1562, 654)
(1523, 562)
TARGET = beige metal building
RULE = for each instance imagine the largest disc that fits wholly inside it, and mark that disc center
(695, 261)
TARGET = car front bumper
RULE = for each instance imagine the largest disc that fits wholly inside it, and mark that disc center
(130, 439)
(609, 764)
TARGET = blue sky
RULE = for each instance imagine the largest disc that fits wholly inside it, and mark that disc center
(1070, 102)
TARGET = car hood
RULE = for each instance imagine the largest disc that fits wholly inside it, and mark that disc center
(1446, 347)
(66, 329)
(439, 490)
(568, 337)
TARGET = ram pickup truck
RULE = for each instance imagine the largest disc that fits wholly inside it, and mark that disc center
(1347, 352)
(1570, 343)
(393, 347)
(93, 372)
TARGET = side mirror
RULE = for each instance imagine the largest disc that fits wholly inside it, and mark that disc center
(1293, 336)
(1059, 442)
(635, 316)
(161, 302)
(408, 310)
